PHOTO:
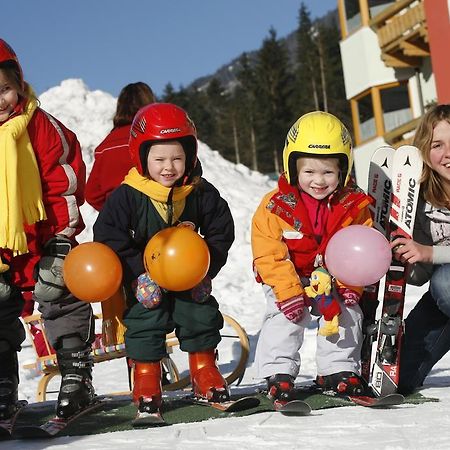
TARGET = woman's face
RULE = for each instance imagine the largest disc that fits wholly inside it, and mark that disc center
(9, 97)
(440, 150)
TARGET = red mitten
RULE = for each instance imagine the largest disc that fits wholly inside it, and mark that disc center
(292, 308)
(349, 296)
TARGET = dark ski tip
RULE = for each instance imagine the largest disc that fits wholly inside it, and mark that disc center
(292, 408)
(146, 420)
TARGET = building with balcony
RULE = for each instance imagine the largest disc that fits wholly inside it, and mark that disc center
(396, 64)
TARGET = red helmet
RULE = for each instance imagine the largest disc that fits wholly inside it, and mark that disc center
(162, 122)
(8, 54)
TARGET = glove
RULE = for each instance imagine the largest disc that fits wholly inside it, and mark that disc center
(146, 291)
(202, 291)
(292, 308)
(49, 278)
(349, 296)
(5, 289)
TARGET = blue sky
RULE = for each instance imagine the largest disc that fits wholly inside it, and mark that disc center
(110, 43)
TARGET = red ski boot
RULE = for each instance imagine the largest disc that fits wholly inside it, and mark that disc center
(147, 390)
(207, 381)
(344, 383)
(280, 387)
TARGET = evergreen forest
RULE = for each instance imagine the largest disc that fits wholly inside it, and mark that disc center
(247, 120)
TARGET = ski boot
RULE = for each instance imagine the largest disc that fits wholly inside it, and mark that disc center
(343, 383)
(280, 388)
(207, 382)
(147, 390)
(76, 391)
(9, 380)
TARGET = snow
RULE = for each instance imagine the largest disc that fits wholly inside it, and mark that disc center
(405, 427)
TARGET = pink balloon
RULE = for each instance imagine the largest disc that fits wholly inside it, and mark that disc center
(358, 255)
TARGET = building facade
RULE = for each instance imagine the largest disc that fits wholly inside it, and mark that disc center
(395, 63)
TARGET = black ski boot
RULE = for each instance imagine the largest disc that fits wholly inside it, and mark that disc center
(76, 391)
(9, 380)
(344, 383)
(280, 387)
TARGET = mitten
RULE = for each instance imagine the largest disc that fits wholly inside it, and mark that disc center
(349, 296)
(5, 289)
(202, 291)
(146, 291)
(49, 278)
(292, 308)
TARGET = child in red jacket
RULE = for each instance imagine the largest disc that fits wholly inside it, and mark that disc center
(41, 189)
(290, 230)
(112, 158)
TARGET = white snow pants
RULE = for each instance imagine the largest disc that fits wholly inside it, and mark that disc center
(280, 340)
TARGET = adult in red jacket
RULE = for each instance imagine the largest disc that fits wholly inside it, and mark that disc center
(112, 158)
(42, 179)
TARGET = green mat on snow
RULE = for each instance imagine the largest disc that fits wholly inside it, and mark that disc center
(118, 412)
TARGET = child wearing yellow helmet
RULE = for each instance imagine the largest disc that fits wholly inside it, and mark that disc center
(315, 197)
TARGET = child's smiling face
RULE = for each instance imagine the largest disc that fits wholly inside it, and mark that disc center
(9, 96)
(318, 177)
(166, 162)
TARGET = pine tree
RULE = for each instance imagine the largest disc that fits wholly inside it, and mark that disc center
(245, 109)
(274, 84)
(307, 68)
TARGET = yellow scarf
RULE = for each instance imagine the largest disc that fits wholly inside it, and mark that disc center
(159, 194)
(20, 182)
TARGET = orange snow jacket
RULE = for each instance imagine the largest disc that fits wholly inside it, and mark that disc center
(283, 242)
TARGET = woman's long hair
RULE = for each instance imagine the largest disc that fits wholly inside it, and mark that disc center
(131, 99)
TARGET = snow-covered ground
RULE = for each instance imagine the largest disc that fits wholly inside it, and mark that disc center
(405, 427)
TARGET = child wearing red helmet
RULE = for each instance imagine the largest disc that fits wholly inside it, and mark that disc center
(41, 190)
(165, 189)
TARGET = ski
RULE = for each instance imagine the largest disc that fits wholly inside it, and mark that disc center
(53, 426)
(406, 171)
(369, 401)
(145, 419)
(230, 406)
(376, 402)
(380, 190)
(292, 408)
(7, 425)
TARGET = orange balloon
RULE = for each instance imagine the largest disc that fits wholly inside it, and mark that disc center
(92, 272)
(177, 258)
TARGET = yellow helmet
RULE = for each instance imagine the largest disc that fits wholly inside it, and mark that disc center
(317, 134)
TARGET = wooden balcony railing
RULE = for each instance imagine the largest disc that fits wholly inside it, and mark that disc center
(397, 135)
(403, 34)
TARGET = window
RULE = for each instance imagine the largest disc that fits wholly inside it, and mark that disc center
(366, 117)
(378, 6)
(352, 15)
(396, 106)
